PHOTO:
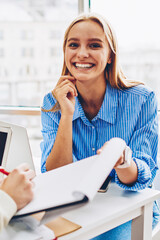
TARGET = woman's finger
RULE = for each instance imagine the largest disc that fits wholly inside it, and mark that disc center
(65, 77)
(66, 87)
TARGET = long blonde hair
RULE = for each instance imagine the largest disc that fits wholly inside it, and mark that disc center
(113, 72)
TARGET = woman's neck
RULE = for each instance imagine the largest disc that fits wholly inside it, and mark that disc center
(91, 99)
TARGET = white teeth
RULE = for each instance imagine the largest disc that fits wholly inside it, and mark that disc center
(79, 65)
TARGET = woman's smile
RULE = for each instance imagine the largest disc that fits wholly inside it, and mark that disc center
(83, 65)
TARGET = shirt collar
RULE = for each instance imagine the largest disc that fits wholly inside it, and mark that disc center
(108, 109)
(109, 106)
(77, 111)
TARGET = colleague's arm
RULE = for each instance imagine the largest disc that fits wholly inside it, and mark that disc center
(15, 193)
(8, 208)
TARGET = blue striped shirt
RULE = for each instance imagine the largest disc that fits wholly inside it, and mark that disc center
(129, 114)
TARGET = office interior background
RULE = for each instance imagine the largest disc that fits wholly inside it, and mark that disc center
(31, 56)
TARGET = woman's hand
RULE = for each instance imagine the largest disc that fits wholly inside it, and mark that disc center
(65, 93)
(126, 175)
(18, 185)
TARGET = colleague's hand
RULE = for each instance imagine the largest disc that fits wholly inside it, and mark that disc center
(119, 161)
(65, 92)
(18, 185)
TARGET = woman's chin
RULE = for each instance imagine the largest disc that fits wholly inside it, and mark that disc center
(81, 77)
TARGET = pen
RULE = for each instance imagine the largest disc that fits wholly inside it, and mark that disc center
(2, 170)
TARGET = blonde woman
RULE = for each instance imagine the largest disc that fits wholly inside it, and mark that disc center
(93, 102)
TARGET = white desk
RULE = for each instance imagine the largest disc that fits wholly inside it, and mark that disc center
(111, 209)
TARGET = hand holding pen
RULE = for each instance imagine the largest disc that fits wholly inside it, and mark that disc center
(18, 184)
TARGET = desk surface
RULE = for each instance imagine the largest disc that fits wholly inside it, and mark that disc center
(108, 210)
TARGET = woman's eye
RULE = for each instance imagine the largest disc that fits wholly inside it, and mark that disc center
(95, 45)
(73, 45)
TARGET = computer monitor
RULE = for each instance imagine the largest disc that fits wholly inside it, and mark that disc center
(17, 146)
(5, 139)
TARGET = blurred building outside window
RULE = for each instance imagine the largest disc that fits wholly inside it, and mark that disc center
(31, 37)
(26, 35)
(31, 55)
(136, 24)
(1, 35)
(1, 52)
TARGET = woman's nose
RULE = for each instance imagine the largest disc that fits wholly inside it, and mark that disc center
(82, 52)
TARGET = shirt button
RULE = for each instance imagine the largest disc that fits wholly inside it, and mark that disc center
(93, 149)
(92, 127)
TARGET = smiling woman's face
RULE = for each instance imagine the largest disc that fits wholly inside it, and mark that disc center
(87, 51)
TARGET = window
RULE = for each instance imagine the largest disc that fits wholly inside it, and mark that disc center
(33, 43)
(31, 56)
(136, 24)
(1, 52)
(1, 35)
(27, 70)
(4, 92)
(3, 73)
(27, 52)
(55, 34)
(27, 35)
(55, 51)
(31, 48)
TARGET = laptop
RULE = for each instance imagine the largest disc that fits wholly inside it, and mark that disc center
(14, 146)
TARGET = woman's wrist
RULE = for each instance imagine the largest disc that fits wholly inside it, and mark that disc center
(128, 175)
(66, 116)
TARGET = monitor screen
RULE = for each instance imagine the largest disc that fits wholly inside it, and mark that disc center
(3, 139)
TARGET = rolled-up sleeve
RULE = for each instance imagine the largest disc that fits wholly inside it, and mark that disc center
(8, 208)
(144, 145)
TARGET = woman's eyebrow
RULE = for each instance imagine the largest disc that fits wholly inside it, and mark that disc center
(90, 39)
(73, 39)
(95, 39)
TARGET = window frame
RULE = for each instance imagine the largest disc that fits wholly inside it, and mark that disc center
(83, 6)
